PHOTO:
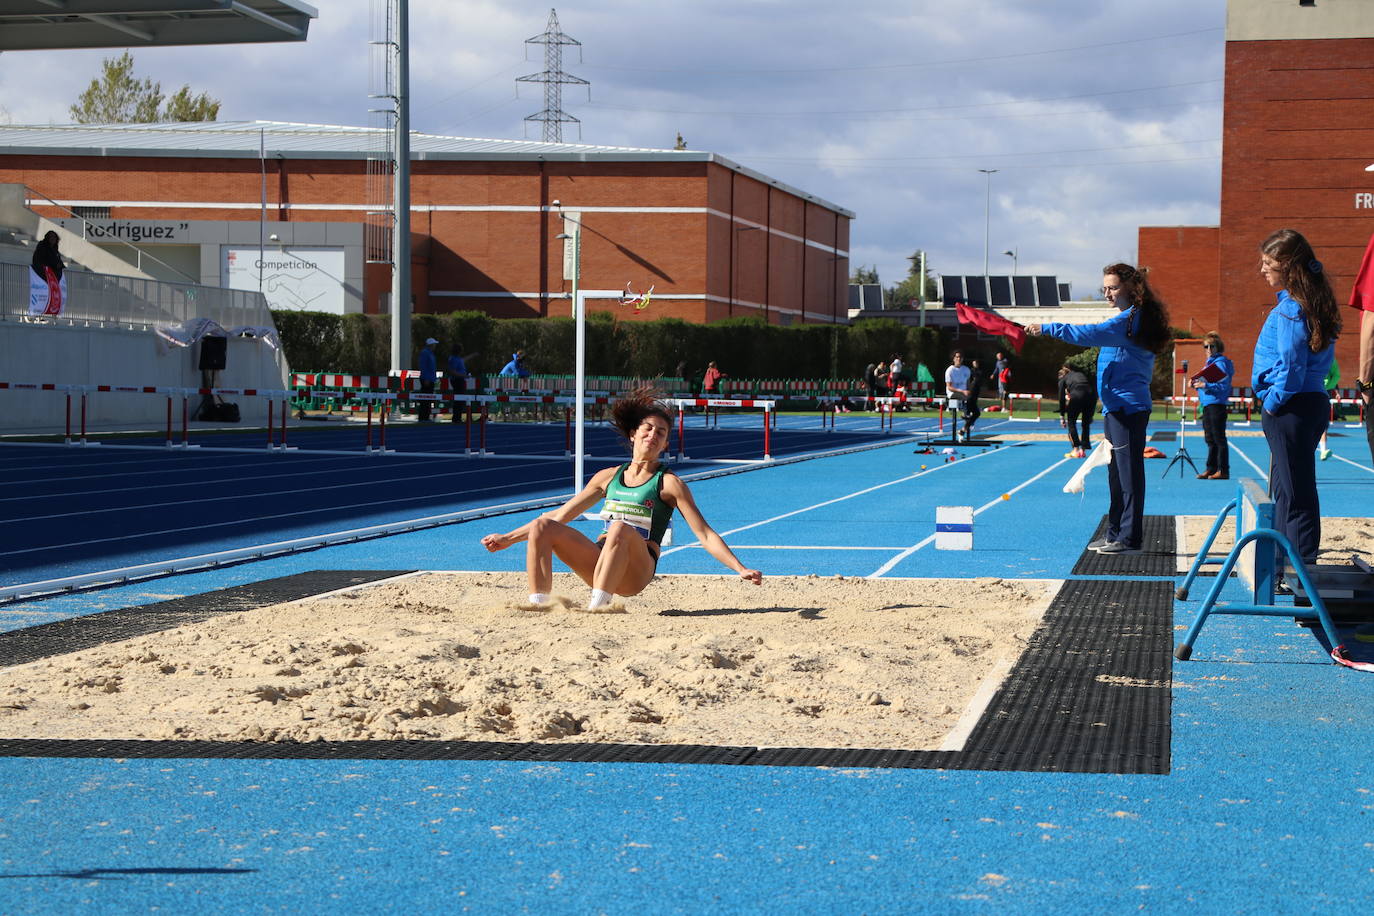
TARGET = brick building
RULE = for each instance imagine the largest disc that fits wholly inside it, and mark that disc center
(713, 239)
(1298, 135)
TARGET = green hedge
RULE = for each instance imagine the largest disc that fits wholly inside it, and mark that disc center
(741, 347)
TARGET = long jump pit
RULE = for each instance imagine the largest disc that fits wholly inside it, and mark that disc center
(983, 673)
(440, 664)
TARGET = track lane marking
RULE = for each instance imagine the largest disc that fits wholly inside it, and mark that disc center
(886, 567)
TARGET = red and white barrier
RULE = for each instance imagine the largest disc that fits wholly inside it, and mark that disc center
(1012, 398)
(170, 393)
(766, 406)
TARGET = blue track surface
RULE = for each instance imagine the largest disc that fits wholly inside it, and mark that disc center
(1266, 809)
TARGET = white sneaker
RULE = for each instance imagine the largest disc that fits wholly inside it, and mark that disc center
(1324, 454)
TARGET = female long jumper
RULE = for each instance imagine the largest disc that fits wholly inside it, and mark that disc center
(640, 496)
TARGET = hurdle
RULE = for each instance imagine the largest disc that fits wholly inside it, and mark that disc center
(1254, 552)
(1012, 398)
(681, 403)
(371, 397)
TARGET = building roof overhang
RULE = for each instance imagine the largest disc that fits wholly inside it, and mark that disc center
(32, 25)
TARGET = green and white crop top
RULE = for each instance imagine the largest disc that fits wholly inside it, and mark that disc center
(642, 508)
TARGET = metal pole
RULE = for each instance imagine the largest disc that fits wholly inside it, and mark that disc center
(580, 389)
(262, 213)
(400, 247)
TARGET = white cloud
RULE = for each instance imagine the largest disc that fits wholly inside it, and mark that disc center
(1090, 109)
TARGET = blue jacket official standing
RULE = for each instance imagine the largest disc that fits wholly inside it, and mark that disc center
(1292, 356)
(1125, 364)
(1214, 396)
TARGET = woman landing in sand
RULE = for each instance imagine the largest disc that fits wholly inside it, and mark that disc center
(640, 498)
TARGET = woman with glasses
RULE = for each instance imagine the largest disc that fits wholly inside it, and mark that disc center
(1213, 386)
(1125, 362)
(1292, 356)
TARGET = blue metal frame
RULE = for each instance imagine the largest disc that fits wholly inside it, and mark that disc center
(1261, 602)
(1203, 555)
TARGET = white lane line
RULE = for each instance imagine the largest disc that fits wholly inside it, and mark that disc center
(797, 547)
(1252, 464)
(890, 564)
(831, 502)
(1353, 464)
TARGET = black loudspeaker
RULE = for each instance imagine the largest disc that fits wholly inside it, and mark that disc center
(212, 352)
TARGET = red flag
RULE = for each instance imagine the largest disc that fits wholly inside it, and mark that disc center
(992, 323)
(54, 292)
(1362, 296)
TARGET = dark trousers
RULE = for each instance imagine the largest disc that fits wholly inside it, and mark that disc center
(1214, 434)
(1126, 476)
(1076, 412)
(426, 406)
(1369, 425)
(1293, 433)
(971, 414)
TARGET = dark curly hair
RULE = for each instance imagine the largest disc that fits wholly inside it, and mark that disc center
(630, 410)
(1306, 282)
(1152, 330)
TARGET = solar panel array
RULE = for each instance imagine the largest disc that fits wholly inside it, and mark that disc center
(1003, 291)
(867, 296)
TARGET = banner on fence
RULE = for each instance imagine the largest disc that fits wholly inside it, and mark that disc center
(46, 295)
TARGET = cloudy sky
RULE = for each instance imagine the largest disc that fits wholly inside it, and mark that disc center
(1098, 115)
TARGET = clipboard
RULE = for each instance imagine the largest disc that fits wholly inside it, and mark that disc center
(1210, 373)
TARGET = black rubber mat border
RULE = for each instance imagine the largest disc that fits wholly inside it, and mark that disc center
(1159, 546)
(1090, 694)
(61, 637)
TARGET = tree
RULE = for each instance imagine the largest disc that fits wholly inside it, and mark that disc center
(117, 97)
(864, 275)
(901, 295)
(183, 106)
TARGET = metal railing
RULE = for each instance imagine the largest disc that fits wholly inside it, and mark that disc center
(139, 254)
(104, 300)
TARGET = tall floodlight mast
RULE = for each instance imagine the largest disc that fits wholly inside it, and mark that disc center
(386, 234)
(554, 79)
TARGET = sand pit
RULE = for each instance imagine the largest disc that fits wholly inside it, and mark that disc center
(800, 661)
(1342, 538)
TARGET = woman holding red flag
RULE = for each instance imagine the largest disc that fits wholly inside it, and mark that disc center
(1125, 362)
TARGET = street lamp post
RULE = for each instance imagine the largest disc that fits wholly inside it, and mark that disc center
(987, 210)
(1012, 254)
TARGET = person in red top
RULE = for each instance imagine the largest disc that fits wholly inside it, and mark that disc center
(710, 382)
(1362, 297)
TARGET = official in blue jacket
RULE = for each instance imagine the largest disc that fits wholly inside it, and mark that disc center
(1292, 356)
(516, 366)
(1214, 396)
(1125, 363)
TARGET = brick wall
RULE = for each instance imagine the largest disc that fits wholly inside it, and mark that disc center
(1296, 140)
(513, 248)
(1183, 263)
